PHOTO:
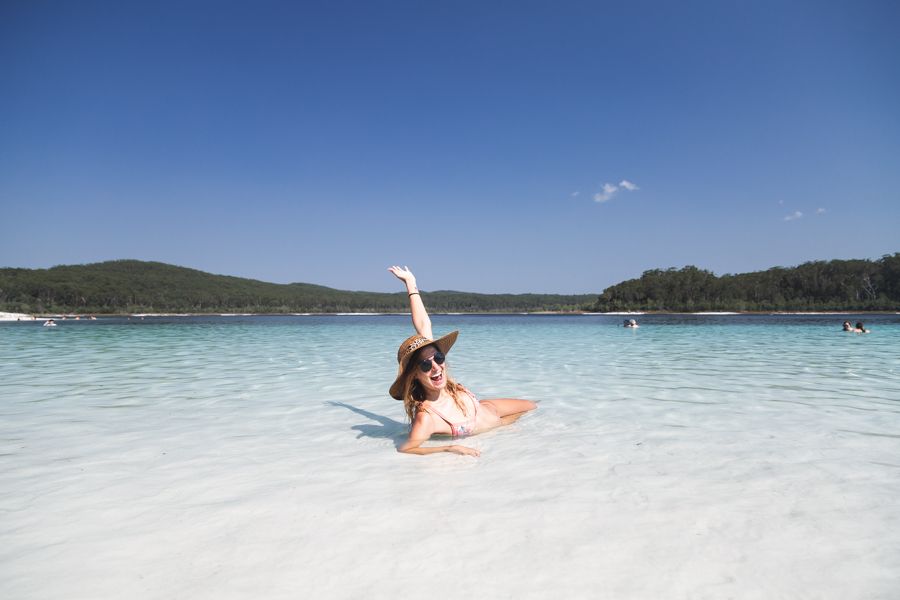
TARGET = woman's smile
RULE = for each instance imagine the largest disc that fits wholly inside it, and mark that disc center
(437, 379)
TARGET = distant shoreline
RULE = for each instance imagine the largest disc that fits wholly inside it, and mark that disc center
(23, 317)
(125, 287)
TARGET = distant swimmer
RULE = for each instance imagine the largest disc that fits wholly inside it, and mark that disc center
(860, 328)
(434, 402)
(848, 327)
(631, 323)
(50, 323)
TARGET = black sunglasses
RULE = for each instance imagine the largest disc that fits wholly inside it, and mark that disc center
(425, 365)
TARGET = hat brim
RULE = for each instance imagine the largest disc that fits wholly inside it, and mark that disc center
(442, 343)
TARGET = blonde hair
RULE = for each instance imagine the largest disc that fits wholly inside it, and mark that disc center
(414, 394)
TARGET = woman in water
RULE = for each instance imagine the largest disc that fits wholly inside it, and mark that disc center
(434, 402)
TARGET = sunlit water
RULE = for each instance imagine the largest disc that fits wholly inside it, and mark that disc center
(697, 456)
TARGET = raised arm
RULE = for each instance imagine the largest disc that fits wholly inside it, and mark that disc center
(420, 318)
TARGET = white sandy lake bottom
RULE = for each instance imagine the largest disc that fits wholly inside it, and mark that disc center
(216, 460)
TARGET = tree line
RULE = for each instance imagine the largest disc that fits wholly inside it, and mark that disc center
(819, 285)
(130, 286)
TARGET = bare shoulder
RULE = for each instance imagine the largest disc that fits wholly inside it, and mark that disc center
(422, 425)
(422, 417)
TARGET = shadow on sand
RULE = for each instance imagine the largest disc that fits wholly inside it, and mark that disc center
(386, 428)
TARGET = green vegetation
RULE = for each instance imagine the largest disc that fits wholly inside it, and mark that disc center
(821, 285)
(130, 286)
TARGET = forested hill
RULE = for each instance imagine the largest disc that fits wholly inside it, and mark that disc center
(820, 285)
(130, 286)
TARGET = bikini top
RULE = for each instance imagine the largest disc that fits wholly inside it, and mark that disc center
(461, 428)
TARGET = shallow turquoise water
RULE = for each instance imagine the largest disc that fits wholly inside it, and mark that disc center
(756, 434)
(112, 371)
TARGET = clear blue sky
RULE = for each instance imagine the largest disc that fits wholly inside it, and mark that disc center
(491, 146)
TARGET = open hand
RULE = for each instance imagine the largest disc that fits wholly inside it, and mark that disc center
(464, 450)
(403, 274)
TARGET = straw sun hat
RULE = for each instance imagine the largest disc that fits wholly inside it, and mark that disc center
(409, 347)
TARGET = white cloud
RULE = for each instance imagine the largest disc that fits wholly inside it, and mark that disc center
(793, 217)
(575, 194)
(609, 190)
(821, 211)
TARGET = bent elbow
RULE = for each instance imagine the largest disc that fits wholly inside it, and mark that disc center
(408, 448)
